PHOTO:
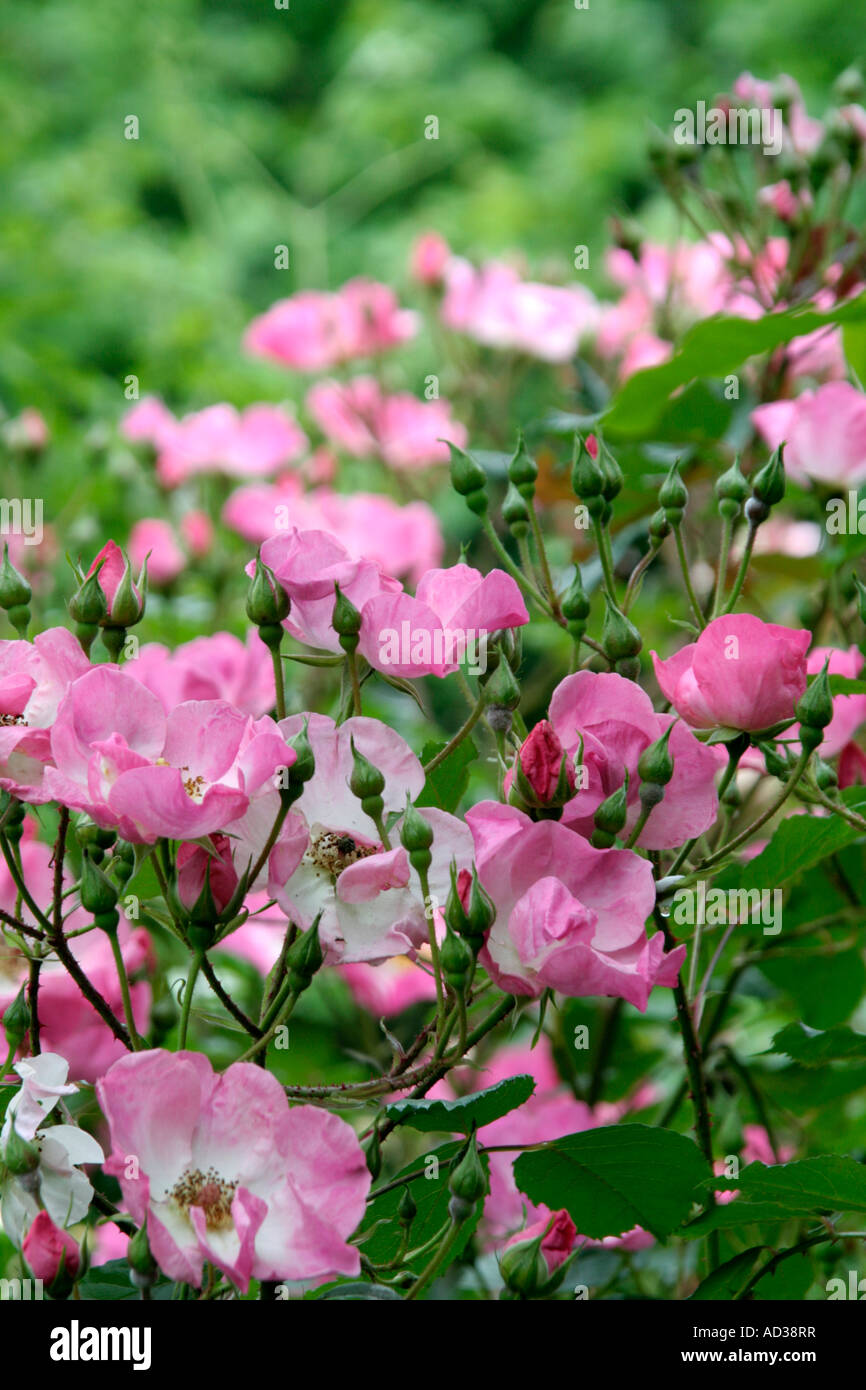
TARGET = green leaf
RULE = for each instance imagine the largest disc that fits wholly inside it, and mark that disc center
(616, 1177)
(815, 1049)
(799, 843)
(844, 685)
(428, 1183)
(458, 1116)
(713, 348)
(811, 1186)
(447, 783)
(726, 1282)
(826, 988)
(789, 1281)
(111, 1281)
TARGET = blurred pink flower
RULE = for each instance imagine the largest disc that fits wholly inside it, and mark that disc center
(824, 433)
(314, 331)
(153, 539)
(405, 540)
(388, 988)
(399, 429)
(430, 255)
(196, 528)
(252, 443)
(498, 309)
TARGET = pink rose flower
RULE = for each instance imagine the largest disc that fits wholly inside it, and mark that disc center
(219, 667)
(228, 1173)
(824, 433)
(558, 1239)
(617, 722)
(541, 758)
(399, 429)
(495, 307)
(196, 528)
(34, 677)
(154, 540)
(112, 568)
(46, 1249)
(252, 443)
(388, 988)
(568, 917)
(313, 331)
(120, 758)
(195, 864)
(405, 540)
(741, 673)
(451, 616)
(785, 203)
(430, 255)
(370, 898)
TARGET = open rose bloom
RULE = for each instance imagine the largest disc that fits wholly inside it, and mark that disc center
(225, 1171)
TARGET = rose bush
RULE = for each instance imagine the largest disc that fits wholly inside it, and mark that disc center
(486, 765)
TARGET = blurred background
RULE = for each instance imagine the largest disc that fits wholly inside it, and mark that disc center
(304, 126)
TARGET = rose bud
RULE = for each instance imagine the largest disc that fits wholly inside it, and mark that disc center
(50, 1251)
(541, 776)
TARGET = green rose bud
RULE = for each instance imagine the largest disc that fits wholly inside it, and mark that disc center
(610, 817)
(655, 764)
(815, 710)
(673, 495)
(469, 479)
(304, 958)
(267, 601)
(467, 1179)
(515, 512)
(523, 471)
(732, 490)
(367, 783)
(619, 637)
(16, 1021)
(346, 621)
(98, 894)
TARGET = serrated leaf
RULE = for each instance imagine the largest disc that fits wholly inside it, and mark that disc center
(713, 348)
(447, 783)
(813, 1048)
(616, 1177)
(808, 1187)
(799, 843)
(458, 1116)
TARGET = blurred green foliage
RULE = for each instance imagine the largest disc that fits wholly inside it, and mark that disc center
(304, 126)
